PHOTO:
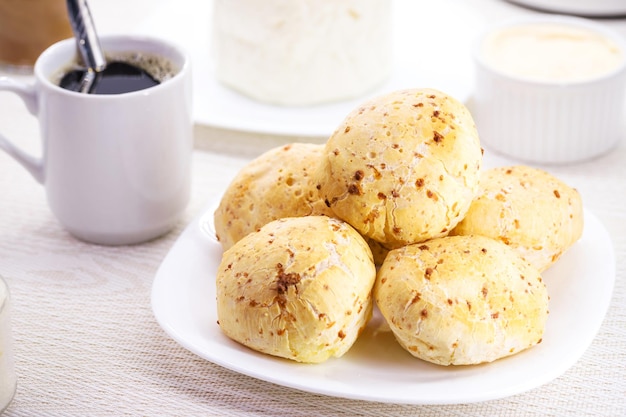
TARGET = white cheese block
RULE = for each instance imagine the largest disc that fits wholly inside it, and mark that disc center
(302, 52)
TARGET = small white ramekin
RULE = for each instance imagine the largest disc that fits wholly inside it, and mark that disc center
(549, 122)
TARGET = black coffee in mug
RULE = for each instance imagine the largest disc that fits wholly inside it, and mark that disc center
(116, 78)
(124, 73)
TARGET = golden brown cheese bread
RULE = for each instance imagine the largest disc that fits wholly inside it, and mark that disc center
(277, 184)
(528, 209)
(403, 167)
(299, 288)
(461, 300)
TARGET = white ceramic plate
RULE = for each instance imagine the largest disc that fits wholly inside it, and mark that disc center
(376, 368)
(427, 54)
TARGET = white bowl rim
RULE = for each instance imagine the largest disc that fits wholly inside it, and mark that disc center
(589, 8)
(574, 21)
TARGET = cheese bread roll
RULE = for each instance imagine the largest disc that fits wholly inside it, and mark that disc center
(403, 167)
(277, 184)
(530, 210)
(299, 288)
(461, 300)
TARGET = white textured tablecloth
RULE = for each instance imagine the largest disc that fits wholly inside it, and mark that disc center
(87, 343)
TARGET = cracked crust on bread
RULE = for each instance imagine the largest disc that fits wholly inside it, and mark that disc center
(402, 168)
(299, 288)
(530, 210)
(461, 300)
(277, 184)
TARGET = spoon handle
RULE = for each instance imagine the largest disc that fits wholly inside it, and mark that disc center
(85, 34)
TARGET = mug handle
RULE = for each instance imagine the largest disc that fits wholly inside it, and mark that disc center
(29, 96)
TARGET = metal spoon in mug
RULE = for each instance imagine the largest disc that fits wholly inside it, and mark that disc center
(100, 76)
(86, 41)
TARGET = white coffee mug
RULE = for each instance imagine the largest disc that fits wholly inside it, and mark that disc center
(116, 168)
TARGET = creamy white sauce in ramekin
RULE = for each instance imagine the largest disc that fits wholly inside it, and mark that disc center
(551, 52)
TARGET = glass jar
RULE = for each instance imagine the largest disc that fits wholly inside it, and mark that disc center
(8, 378)
(27, 28)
